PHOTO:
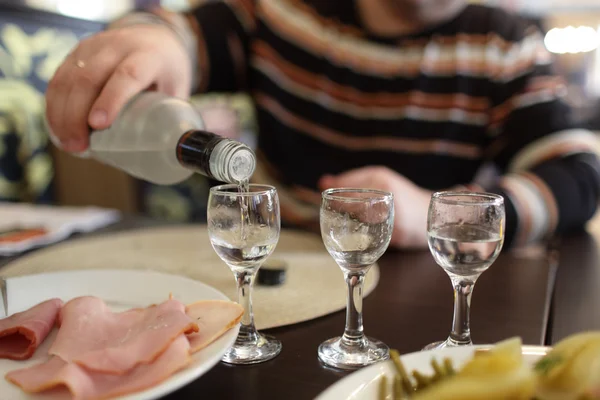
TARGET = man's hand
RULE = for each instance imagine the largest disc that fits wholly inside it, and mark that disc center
(410, 201)
(105, 71)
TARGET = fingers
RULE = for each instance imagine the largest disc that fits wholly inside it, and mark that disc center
(371, 177)
(326, 182)
(56, 96)
(134, 74)
(73, 90)
(356, 178)
(86, 89)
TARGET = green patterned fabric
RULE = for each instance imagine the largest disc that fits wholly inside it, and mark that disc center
(30, 52)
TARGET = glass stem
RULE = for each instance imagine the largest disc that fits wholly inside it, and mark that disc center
(244, 281)
(461, 328)
(353, 334)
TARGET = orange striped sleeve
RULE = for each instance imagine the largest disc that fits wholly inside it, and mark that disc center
(356, 143)
(245, 11)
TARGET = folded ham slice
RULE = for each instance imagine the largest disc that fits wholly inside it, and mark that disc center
(93, 337)
(22, 333)
(86, 385)
(98, 354)
(214, 318)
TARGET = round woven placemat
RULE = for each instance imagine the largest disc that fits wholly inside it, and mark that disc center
(314, 285)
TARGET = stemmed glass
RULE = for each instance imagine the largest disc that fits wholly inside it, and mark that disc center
(465, 232)
(356, 226)
(244, 227)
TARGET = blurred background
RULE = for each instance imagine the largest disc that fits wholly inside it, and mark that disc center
(35, 35)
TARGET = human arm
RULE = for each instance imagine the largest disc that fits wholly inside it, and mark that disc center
(550, 172)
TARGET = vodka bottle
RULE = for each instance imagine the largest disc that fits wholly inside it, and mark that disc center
(162, 140)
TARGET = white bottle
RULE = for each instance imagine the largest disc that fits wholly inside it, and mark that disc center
(161, 139)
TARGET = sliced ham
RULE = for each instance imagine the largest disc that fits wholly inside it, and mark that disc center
(114, 343)
(86, 385)
(214, 318)
(22, 333)
(98, 354)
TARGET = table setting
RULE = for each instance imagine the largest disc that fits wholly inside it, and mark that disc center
(300, 332)
(387, 201)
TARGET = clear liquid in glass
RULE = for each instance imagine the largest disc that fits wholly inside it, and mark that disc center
(356, 227)
(353, 251)
(464, 249)
(244, 187)
(240, 253)
(354, 245)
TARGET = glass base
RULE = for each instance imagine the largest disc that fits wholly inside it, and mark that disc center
(447, 343)
(264, 348)
(337, 354)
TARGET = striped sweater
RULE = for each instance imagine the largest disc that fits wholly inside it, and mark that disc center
(434, 106)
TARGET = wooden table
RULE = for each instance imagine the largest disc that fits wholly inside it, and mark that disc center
(411, 307)
(576, 299)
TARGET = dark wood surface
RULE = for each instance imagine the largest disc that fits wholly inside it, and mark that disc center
(576, 300)
(411, 307)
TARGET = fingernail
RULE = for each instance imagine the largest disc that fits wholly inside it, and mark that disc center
(98, 118)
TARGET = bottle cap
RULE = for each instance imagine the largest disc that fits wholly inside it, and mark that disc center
(242, 165)
(272, 272)
(232, 161)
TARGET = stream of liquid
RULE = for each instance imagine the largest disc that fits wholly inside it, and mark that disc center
(244, 187)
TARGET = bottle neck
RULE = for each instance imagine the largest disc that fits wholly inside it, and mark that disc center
(222, 159)
(194, 149)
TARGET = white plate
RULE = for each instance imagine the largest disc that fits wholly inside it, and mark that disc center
(59, 222)
(364, 383)
(121, 290)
